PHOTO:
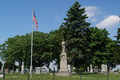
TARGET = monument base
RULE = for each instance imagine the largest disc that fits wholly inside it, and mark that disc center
(63, 73)
(91, 71)
(103, 72)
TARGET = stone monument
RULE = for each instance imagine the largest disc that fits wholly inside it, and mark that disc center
(22, 68)
(63, 62)
(17, 71)
(111, 71)
(47, 70)
(43, 70)
(69, 68)
(116, 72)
(6, 71)
(10, 71)
(91, 70)
(37, 70)
(88, 69)
(103, 68)
(96, 69)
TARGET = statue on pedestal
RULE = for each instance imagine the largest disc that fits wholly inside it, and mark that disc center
(63, 62)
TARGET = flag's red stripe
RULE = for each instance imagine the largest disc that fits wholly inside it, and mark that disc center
(34, 19)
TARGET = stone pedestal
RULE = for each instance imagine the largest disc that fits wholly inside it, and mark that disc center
(22, 68)
(63, 62)
(37, 70)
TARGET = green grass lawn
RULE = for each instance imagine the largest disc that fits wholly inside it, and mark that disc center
(84, 76)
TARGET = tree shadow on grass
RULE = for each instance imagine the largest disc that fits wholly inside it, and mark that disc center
(87, 73)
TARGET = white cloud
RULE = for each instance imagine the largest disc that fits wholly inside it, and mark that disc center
(91, 10)
(1, 38)
(110, 21)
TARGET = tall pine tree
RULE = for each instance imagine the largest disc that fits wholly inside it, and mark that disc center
(116, 57)
(75, 32)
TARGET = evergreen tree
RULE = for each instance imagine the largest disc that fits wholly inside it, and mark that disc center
(116, 57)
(75, 33)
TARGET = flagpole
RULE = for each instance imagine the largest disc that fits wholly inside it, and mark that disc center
(31, 45)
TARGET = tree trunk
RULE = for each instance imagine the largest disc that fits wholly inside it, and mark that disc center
(20, 63)
(77, 69)
(48, 65)
(14, 67)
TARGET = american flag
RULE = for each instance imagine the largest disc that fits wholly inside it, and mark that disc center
(34, 19)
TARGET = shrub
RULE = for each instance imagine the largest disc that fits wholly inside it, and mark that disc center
(81, 69)
(75, 69)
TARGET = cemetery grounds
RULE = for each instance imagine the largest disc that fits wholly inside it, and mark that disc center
(84, 76)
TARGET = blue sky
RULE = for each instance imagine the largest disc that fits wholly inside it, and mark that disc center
(16, 15)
